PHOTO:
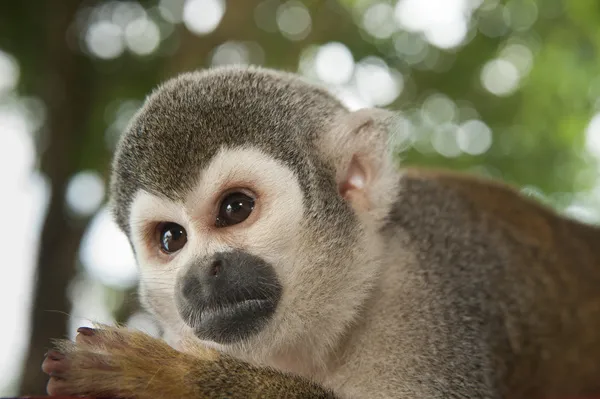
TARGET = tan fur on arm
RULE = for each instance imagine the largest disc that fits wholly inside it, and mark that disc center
(130, 364)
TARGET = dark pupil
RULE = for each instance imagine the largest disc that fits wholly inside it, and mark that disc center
(173, 237)
(235, 209)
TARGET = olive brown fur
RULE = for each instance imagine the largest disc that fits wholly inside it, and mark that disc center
(390, 282)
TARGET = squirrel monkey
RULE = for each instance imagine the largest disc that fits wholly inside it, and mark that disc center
(287, 256)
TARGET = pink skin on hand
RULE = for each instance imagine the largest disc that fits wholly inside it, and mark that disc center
(57, 364)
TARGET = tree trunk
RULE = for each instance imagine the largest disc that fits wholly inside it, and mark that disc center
(67, 95)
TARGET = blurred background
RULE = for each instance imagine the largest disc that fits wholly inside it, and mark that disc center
(506, 89)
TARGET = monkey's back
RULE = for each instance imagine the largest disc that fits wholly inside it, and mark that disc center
(527, 279)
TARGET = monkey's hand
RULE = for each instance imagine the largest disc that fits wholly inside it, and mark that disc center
(115, 362)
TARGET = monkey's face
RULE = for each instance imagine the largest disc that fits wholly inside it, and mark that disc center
(220, 259)
(242, 257)
(247, 236)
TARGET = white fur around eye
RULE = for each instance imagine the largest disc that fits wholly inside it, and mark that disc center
(147, 210)
(279, 206)
(279, 198)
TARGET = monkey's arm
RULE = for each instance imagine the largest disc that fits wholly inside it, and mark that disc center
(116, 362)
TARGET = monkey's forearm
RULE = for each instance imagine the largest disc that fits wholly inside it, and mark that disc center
(114, 362)
(240, 380)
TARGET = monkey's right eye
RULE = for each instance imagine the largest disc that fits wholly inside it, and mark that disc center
(173, 237)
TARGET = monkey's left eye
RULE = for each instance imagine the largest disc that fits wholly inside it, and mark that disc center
(234, 209)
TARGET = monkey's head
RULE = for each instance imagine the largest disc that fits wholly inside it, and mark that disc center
(252, 201)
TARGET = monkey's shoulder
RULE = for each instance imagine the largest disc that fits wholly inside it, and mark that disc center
(446, 199)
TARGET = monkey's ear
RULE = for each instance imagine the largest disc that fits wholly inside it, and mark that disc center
(365, 168)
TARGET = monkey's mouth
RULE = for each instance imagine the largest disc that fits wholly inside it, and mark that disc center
(228, 297)
(232, 322)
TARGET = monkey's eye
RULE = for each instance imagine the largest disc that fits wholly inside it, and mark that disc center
(173, 237)
(234, 209)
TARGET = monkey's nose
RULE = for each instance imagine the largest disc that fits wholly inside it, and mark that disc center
(216, 267)
(205, 282)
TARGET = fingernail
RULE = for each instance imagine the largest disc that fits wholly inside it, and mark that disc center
(86, 331)
(54, 355)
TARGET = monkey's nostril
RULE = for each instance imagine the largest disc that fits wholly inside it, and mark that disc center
(216, 268)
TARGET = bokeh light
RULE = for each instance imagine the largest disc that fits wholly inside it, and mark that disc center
(24, 210)
(124, 12)
(592, 136)
(85, 193)
(378, 84)
(104, 39)
(445, 141)
(230, 53)
(293, 20)
(17, 148)
(411, 47)
(142, 36)
(520, 15)
(492, 21)
(107, 254)
(500, 77)
(142, 321)
(443, 22)
(9, 72)
(90, 304)
(582, 212)
(519, 55)
(334, 63)
(378, 20)
(438, 109)
(349, 97)
(474, 137)
(24, 201)
(203, 16)
(171, 10)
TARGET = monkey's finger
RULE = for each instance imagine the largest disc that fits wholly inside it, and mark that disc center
(94, 337)
(55, 363)
(59, 387)
(98, 338)
(87, 336)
